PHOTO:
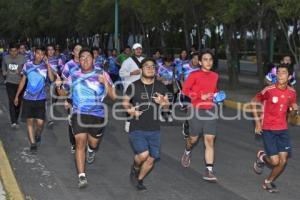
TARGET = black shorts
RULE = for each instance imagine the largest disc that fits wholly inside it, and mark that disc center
(35, 109)
(82, 123)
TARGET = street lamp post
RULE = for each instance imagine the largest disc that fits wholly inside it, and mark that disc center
(117, 44)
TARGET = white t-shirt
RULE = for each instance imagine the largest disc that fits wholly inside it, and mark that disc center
(127, 67)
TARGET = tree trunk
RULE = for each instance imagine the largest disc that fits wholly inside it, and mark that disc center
(231, 56)
(259, 57)
(186, 33)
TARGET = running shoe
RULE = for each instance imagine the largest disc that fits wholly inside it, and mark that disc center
(186, 159)
(259, 164)
(133, 176)
(82, 182)
(209, 176)
(13, 125)
(161, 118)
(33, 148)
(90, 157)
(170, 118)
(140, 186)
(270, 187)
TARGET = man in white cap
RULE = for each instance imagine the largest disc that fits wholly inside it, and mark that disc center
(130, 70)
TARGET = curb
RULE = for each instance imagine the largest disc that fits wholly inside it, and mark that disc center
(246, 108)
(8, 178)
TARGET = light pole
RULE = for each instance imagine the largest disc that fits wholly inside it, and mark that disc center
(117, 44)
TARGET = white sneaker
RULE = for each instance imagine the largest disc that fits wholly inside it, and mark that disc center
(161, 118)
(127, 125)
(170, 118)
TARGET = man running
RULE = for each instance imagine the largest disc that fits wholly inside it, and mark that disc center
(143, 100)
(56, 65)
(201, 87)
(88, 88)
(130, 71)
(12, 65)
(113, 68)
(68, 69)
(165, 74)
(36, 74)
(277, 99)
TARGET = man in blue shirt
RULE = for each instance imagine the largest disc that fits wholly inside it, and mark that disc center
(87, 88)
(36, 73)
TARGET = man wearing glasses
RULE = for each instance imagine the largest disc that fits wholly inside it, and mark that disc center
(143, 101)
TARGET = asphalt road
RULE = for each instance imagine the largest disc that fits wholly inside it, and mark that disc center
(51, 173)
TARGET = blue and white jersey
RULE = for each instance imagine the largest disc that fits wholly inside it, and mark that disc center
(100, 61)
(166, 73)
(56, 64)
(87, 93)
(112, 65)
(187, 69)
(69, 68)
(37, 77)
(179, 67)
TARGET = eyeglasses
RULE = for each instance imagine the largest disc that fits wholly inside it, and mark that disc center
(149, 66)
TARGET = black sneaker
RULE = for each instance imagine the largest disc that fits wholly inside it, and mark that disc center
(140, 186)
(258, 165)
(133, 175)
(82, 182)
(33, 148)
(270, 187)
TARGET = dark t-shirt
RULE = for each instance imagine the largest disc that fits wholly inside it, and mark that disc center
(141, 95)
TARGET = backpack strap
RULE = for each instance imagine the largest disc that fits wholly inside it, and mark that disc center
(137, 62)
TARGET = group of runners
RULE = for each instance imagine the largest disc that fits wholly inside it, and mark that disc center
(150, 87)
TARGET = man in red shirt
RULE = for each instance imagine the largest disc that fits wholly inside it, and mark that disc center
(200, 87)
(277, 99)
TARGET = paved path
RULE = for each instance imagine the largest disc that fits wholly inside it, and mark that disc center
(51, 173)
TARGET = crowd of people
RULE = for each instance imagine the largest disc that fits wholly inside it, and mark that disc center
(151, 86)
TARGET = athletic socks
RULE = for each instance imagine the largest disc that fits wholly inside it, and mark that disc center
(90, 149)
(187, 152)
(81, 174)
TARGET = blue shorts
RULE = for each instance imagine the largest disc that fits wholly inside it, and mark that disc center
(142, 141)
(276, 141)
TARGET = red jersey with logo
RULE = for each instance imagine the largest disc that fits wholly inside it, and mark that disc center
(276, 104)
(201, 83)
